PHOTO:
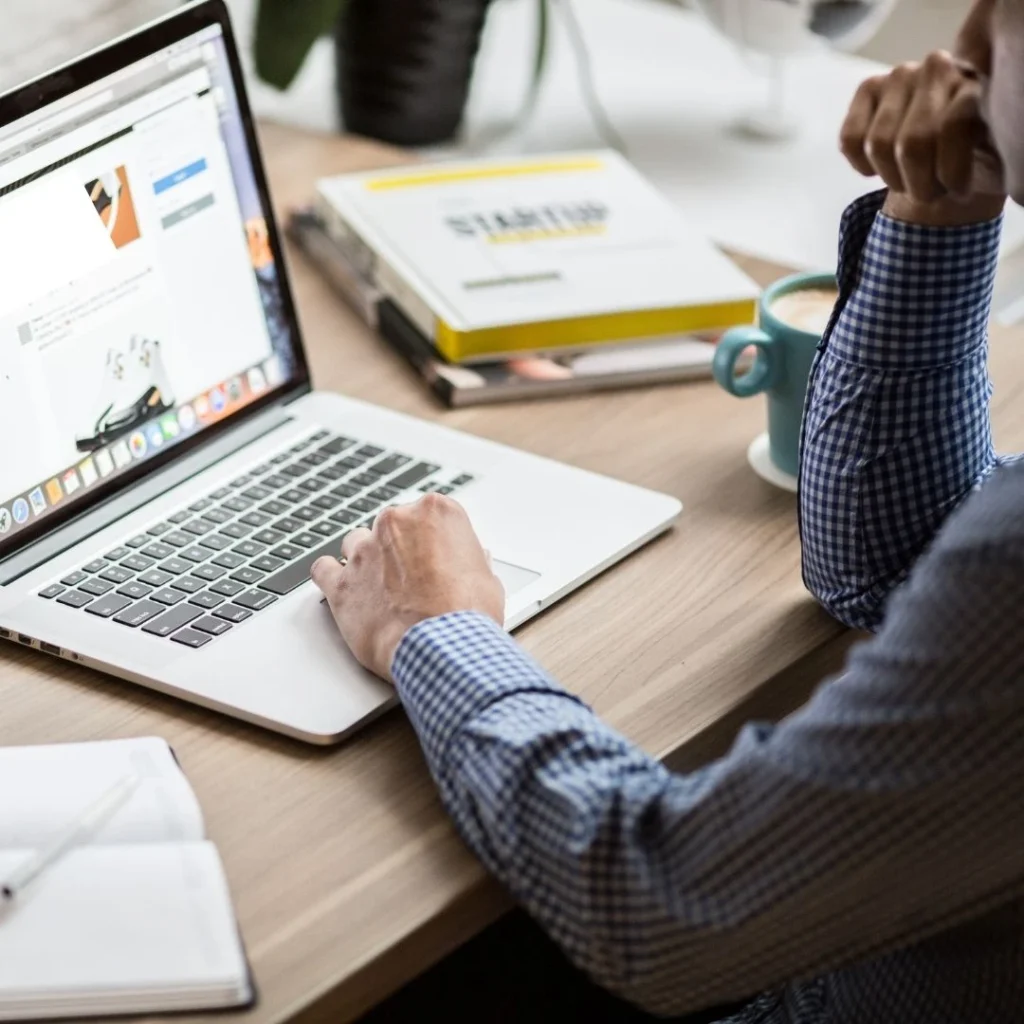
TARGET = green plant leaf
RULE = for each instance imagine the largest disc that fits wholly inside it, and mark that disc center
(285, 33)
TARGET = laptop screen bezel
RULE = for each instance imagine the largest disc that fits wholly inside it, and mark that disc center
(82, 73)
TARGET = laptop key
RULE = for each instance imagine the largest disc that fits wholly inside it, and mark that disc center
(156, 578)
(293, 495)
(117, 554)
(287, 525)
(295, 470)
(306, 540)
(278, 459)
(238, 504)
(365, 505)
(168, 596)
(178, 539)
(325, 503)
(268, 537)
(218, 516)
(257, 493)
(384, 494)
(217, 542)
(267, 564)
(346, 517)
(314, 484)
(411, 477)
(215, 627)
(320, 435)
(74, 578)
(97, 565)
(248, 575)
(199, 527)
(277, 481)
(195, 553)
(158, 551)
(313, 459)
(221, 492)
(96, 587)
(172, 620)
(139, 614)
(364, 480)
(370, 451)
(159, 530)
(206, 600)
(137, 563)
(294, 575)
(233, 613)
(107, 607)
(331, 473)
(201, 505)
(345, 491)
(255, 519)
(188, 584)
(249, 549)
(255, 600)
(227, 588)
(236, 531)
(241, 481)
(209, 572)
(115, 574)
(75, 599)
(137, 542)
(180, 517)
(390, 465)
(191, 638)
(52, 591)
(336, 445)
(283, 551)
(325, 529)
(259, 470)
(461, 481)
(229, 560)
(307, 514)
(275, 508)
(175, 566)
(135, 590)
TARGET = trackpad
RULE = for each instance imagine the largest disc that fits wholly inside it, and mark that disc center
(513, 577)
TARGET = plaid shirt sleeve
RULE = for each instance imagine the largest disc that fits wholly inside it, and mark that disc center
(887, 810)
(897, 430)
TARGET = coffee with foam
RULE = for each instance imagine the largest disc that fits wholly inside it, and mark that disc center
(806, 309)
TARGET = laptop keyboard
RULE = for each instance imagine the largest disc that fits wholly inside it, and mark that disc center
(211, 566)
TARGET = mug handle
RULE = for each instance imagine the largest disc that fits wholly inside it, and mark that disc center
(761, 376)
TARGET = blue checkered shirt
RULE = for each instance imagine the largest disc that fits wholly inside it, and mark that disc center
(862, 862)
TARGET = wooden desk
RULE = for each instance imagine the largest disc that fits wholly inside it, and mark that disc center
(347, 877)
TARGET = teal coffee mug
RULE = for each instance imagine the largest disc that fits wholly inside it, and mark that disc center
(793, 315)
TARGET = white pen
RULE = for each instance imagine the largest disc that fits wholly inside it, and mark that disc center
(91, 820)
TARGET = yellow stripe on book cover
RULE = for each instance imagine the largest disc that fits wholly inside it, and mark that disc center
(454, 175)
(580, 332)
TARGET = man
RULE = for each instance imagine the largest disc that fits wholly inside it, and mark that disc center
(864, 860)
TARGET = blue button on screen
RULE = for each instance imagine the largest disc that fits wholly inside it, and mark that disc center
(163, 184)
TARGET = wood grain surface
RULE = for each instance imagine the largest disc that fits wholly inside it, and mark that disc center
(347, 876)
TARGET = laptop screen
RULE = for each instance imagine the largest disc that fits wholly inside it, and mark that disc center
(140, 298)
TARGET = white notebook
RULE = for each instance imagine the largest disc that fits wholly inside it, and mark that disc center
(140, 919)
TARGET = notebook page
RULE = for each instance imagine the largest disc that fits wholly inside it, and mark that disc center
(148, 926)
(45, 789)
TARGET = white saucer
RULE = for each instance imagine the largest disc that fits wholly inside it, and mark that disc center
(759, 457)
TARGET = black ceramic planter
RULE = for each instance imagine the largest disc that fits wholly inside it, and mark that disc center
(404, 67)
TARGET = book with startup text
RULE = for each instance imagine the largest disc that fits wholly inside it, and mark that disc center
(526, 376)
(496, 258)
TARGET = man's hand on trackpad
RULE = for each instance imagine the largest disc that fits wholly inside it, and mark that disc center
(419, 562)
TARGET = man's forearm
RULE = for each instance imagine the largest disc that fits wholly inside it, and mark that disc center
(897, 429)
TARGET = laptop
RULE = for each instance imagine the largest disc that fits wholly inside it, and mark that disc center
(167, 473)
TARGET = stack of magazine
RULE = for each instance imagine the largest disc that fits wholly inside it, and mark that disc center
(529, 278)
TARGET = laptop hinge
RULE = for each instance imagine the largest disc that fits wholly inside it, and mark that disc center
(147, 490)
